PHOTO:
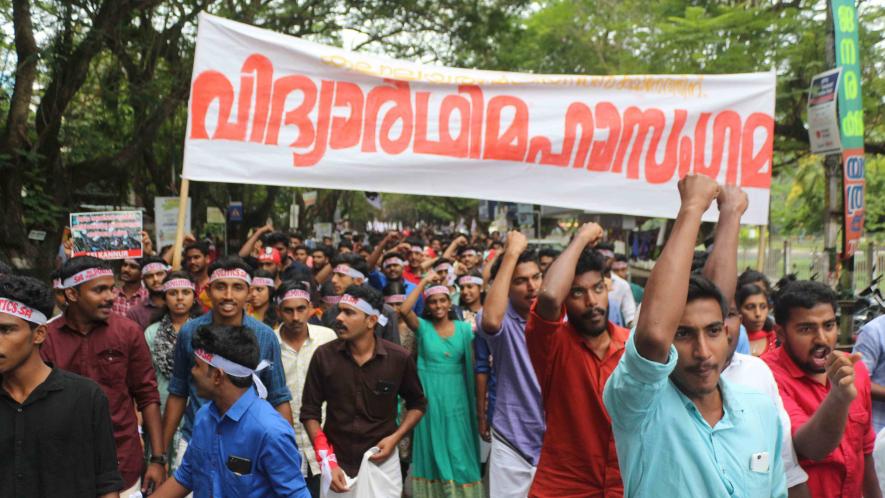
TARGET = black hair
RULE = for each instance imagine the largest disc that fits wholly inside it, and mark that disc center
(394, 288)
(590, 260)
(366, 248)
(746, 291)
(55, 275)
(391, 254)
(152, 259)
(345, 245)
(323, 248)
(296, 235)
(700, 287)
(230, 263)
(803, 294)
(274, 238)
(354, 261)
(264, 274)
(5, 269)
(28, 291)
(414, 241)
(751, 277)
(367, 293)
(77, 264)
(235, 343)
(699, 260)
(252, 261)
(605, 246)
(465, 248)
(440, 261)
(548, 252)
(622, 258)
(201, 246)
(302, 246)
(527, 256)
(299, 273)
(327, 289)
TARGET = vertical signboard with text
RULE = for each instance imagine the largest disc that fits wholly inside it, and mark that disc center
(850, 122)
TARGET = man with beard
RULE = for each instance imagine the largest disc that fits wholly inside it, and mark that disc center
(414, 270)
(89, 340)
(130, 293)
(546, 257)
(351, 269)
(360, 414)
(228, 289)
(392, 266)
(518, 420)
(666, 395)
(56, 436)
(153, 272)
(196, 259)
(574, 349)
(825, 392)
(299, 340)
(321, 256)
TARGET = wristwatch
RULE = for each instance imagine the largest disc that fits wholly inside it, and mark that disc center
(161, 459)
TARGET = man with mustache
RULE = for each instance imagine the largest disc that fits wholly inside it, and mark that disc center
(88, 339)
(196, 260)
(518, 419)
(358, 376)
(680, 429)
(153, 272)
(130, 293)
(825, 392)
(574, 348)
(228, 289)
(299, 340)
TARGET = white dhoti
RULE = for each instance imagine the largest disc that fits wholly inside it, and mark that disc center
(384, 480)
(510, 475)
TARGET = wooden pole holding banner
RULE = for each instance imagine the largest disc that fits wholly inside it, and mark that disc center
(763, 245)
(179, 231)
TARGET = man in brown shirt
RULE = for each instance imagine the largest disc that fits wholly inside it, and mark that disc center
(359, 377)
(153, 272)
(89, 340)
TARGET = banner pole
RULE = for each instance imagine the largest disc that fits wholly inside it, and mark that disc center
(763, 246)
(179, 231)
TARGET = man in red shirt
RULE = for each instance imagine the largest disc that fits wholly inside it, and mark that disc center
(573, 358)
(826, 394)
(196, 259)
(89, 340)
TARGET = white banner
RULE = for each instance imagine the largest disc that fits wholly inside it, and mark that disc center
(267, 108)
(166, 220)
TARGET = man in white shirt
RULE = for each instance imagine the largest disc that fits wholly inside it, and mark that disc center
(619, 291)
(298, 341)
(747, 370)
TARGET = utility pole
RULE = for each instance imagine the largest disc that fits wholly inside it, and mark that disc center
(832, 172)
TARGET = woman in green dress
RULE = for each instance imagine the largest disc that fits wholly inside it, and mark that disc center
(445, 445)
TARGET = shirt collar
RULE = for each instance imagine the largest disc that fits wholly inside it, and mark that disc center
(53, 382)
(240, 407)
(511, 312)
(732, 408)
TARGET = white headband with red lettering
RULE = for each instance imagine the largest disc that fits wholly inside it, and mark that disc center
(443, 266)
(178, 283)
(85, 276)
(417, 249)
(56, 284)
(470, 279)
(331, 299)
(393, 261)
(235, 273)
(395, 298)
(347, 270)
(21, 310)
(362, 305)
(235, 369)
(436, 289)
(469, 252)
(154, 268)
(295, 294)
(263, 282)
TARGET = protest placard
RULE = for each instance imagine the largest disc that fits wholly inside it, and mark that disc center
(107, 234)
(166, 219)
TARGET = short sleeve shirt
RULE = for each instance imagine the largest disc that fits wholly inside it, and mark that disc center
(841, 472)
(871, 345)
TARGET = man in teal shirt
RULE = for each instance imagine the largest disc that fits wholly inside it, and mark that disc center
(679, 429)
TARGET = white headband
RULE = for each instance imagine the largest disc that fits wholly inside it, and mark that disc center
(56, 284)
(178, 283)
(331, 299)
(154, 268)
(347, 270)
(21, 310)
(235, 273)
(296, 294)
(85, 276)
(417, 249)
(395, 298)
(469, 252)
(263, 281)
(393, 261)
(235, 369)
(470, 279)
(363, 306)
(443, 266)
(436, 289)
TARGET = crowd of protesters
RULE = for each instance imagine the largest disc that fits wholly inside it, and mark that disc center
(436, 366)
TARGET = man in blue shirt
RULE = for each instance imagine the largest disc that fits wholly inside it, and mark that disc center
(871, 345)
(228, 289)
(721, 439)
(240, 446)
